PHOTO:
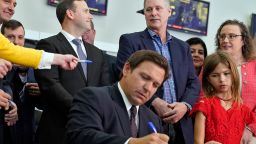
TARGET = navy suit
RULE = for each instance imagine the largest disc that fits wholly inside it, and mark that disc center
(187, 85)
(99, 116)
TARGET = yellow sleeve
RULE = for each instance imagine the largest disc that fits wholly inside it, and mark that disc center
(19, 55)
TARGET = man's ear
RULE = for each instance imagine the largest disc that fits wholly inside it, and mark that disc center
(69, 13)
(170, 11)
(126, 68)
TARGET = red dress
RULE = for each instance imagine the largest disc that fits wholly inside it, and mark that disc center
(224, 126)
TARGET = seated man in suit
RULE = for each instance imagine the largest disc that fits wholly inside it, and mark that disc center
(178, 94)
(117, 114)
(24, 87)
(58, 86)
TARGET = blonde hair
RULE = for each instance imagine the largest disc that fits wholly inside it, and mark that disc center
(210, 63)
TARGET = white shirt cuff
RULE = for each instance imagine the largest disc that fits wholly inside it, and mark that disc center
(46, 60)
(127, 141)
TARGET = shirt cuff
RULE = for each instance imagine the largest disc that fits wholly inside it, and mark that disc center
(188, 106)
(127, 141)
(46, 60)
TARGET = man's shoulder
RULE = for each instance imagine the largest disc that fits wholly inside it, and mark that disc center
(92, 47)
(179, 41)
(97, 91)
(52, 38)
(134, 34)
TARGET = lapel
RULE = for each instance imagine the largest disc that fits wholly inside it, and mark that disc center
(31, 77)
(64, 44)
(121, 111)
(143, 122)
(175, 54)
(147, 40)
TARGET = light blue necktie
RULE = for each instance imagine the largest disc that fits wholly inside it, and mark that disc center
(81, 54)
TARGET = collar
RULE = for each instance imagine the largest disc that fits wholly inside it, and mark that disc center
(69, 37)
(153, 34)
(127, 103)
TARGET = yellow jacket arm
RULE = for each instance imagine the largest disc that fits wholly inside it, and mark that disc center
(19, 55)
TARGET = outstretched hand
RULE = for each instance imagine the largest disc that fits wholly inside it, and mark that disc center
(67, 62)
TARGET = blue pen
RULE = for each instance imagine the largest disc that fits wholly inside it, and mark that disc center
(152, 127)
(85, 61)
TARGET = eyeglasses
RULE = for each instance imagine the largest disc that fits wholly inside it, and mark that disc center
(230, 37)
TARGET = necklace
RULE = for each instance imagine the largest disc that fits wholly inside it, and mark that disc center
(225, 99)
(226, 103)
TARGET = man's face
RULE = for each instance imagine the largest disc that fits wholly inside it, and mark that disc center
(82, 17)
(156, 14)
(7, 8)
(89, 36)
(141, 83)
(16, 36)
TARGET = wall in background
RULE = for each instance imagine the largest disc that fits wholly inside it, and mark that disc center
(40, 20)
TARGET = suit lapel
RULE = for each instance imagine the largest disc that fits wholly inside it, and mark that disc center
(174, 53)
(147, 40)
(121, 111)
(64, 44)
(143, 122)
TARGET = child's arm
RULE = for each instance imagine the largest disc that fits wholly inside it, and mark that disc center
(199, 129)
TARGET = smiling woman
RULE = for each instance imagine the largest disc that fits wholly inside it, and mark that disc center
(233, 38)
(198, 51)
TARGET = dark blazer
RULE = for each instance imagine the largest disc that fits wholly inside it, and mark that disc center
(99, 116)
(25, 104)
(186, 82)
(58, 86)
(7, 133)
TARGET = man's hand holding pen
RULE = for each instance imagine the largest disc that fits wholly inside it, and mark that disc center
(154, 138)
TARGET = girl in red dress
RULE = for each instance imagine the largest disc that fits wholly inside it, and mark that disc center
(220, 116)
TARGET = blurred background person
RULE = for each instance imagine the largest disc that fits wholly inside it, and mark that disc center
(89, 37)
(90, 34)
(24, 87)
(233, 38)
(198, 51)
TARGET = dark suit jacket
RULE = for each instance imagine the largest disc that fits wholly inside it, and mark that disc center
(99, 116)
(58, 86)
(26, 105)
(186, 82)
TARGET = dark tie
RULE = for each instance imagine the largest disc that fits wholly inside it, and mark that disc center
(134, 129)
(81, 54)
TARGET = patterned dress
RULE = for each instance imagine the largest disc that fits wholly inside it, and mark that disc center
(224, 126)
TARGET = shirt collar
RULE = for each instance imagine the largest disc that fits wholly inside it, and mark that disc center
(127, 103)
(69, 37)
(153, 34)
